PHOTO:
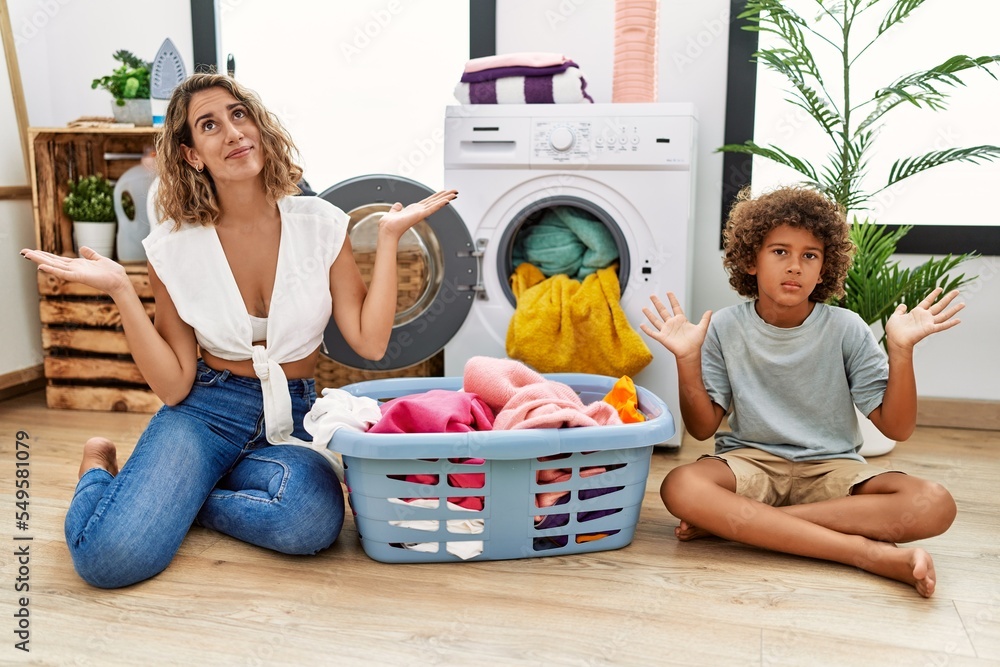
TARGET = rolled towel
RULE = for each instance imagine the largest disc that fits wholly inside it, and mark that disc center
(568, 87)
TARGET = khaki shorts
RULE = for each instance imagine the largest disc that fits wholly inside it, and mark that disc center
(775, 481)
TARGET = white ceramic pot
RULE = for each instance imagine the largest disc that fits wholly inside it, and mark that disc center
(98, 236)
(875, 444)
(137, 112)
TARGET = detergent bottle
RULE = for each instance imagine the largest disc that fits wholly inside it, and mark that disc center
(131, 231)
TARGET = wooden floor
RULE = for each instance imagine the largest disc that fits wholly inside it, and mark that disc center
(656, 601)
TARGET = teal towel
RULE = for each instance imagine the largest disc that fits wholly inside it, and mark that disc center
(566, 240)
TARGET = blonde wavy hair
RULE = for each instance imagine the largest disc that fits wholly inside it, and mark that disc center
(751, 219)
(186, 195)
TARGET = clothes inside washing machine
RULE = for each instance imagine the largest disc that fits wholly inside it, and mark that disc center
(564, 240)
(568, 315)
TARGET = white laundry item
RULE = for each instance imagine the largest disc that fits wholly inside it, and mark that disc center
(464, 549)
(337, 409)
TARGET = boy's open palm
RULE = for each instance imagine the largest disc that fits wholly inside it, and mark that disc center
(906, 329)
(673, 329)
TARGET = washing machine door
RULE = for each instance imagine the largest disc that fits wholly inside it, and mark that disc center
(435, 266)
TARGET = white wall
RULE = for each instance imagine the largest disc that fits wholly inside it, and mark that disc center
(20, 330)
(62, 46)
(366, 89)
(693, 47)
(20, 336)
(57, 67)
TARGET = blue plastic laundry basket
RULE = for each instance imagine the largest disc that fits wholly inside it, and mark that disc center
(596, 513)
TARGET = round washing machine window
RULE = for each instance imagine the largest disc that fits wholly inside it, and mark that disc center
(419, 263)
(542, 233)
(436, 271)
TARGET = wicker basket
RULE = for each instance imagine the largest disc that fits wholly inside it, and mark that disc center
(329, 373)
(412, 274)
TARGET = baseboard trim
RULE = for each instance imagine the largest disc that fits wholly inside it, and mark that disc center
(23, 381)
(959, 413)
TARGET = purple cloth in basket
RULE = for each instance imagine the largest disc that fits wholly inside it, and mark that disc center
(558, 520)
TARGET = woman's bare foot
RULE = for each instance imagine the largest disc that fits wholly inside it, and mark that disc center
(99, 453)
(912, 566)
(686, 532)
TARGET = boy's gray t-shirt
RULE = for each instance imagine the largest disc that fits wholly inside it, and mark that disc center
(792, 391)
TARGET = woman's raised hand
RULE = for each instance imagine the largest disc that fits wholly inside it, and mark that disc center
(90, 269)
(399, 219)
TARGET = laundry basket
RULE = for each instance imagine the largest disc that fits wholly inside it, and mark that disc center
(601, 481)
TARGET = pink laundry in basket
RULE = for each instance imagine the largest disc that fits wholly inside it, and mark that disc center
(522, 398)
(440, 411)
(435, 411)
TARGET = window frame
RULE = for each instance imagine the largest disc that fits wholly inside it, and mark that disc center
(741, 99)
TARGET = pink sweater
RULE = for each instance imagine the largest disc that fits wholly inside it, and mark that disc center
(522, 398)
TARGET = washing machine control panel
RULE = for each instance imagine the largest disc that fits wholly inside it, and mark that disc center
(644, 140)
(561, 141)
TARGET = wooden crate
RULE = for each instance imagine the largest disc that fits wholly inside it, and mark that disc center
(61, 154)
(87, 361)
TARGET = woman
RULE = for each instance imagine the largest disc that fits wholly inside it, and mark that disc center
(247, 276)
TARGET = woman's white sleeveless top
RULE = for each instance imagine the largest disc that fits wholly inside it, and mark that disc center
(193, 267)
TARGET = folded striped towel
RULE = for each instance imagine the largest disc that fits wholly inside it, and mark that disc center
(519, 59)
(568, 87)
(502, 72)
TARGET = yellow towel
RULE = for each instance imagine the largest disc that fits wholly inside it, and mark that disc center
(561, 325)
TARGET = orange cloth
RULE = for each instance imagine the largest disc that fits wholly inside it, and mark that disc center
(563, 325)
(624, 398)
(592, 537)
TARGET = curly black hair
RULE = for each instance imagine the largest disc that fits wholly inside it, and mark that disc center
(752, 218)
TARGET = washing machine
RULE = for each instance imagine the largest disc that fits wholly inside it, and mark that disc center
(630, 166)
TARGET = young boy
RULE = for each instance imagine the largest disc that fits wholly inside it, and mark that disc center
(788, 370)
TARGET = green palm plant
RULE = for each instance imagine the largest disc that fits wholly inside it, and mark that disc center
(875, 284)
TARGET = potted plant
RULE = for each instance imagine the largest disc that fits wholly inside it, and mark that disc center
(129, 85)
(89, 204)
(875, 284)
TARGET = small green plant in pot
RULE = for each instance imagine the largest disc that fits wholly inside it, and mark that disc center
(876, 284)
(129, 85)
(89, 204)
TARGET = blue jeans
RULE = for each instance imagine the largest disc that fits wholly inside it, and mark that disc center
(205, 459)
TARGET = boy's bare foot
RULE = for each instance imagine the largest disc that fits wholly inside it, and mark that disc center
(912, 566)
(99, 453)
(686, 532)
